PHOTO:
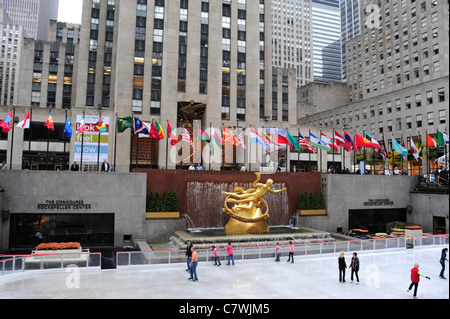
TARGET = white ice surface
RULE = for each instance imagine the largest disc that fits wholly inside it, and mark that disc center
(384, 274)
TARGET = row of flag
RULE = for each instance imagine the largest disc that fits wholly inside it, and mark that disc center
(6, 124)
(324, 142)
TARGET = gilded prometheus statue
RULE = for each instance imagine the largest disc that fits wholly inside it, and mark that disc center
(246, 214)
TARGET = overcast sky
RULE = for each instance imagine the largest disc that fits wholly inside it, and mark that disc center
(70, 11)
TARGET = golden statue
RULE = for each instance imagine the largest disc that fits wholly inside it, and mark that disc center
(247, 217)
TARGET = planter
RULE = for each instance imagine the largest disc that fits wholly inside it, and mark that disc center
(312, 212)
(162, 215)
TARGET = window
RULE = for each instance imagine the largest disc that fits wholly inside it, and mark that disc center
(430, 118)
(441, 94)
(388, 107)
(429, 97)
(418, 100)
(441, 116)
(419, 120)
(436, 66)
(398, 124)
(408, 123)
(389, 125)
(408, 102)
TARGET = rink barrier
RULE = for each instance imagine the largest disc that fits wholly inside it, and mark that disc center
(153, 257)
(14, 264)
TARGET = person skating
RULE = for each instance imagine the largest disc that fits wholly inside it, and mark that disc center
(354, 265)
(342, 266)
(415, 279)
(442, 261)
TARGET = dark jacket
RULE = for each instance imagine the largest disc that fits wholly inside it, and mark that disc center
(188, 250)
(342, 264)
(354, 264)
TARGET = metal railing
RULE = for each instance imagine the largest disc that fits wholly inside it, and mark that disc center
(14, 264)
(140, 258)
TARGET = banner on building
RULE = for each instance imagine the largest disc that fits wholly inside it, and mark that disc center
(95, 144)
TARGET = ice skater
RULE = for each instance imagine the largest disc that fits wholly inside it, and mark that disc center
(354, 265)
(278, 252)
(442, 261)
(188, 254)
(229, 249)
(415, 279)
(342, 266)
(216, 256)
(193, 265)
(291, 253)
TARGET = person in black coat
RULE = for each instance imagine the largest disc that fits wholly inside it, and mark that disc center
(189, 254)
(342, 266)
(105, 167)
(354, 265)
(75, 167)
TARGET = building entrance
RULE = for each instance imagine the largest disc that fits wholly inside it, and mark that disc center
(90, 230)
(375, 220)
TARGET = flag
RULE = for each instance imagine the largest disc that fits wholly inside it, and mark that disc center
(202, 135)
(82, 127)
(442, 138)
(375, 142)
(229, 137)
(215, 137)
(414, 150)
(361, 141)
(293, 142)
(140, 127)
(187, 137)
(382, 152)
(25, 124)
(267, 138)
(349, 141)
(68, 128)
(431, 142)
(50, 124)
(258, 139)
(156, 131)
(318, 143)
(328, 140)
(398, 148)
(281, 139)
(341, 141)
(171, 135)
(124, 123)
(304, 142)
(6, 124)
(101, 126)
(240, 138)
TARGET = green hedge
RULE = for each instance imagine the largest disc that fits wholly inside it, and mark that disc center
(166, 202)
(311, 201)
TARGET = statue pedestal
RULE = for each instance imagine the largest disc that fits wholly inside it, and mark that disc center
(235, 226)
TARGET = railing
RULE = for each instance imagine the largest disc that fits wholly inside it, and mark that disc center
(13, 264)
(139, 258)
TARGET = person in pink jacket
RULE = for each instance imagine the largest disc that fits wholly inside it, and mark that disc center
(278, 252)
(216, 256)
(229, 249)
(291, 252)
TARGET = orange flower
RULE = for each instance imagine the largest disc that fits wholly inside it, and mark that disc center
(58, 246)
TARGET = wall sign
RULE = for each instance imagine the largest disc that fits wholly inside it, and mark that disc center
(64, 204)
(379, 202)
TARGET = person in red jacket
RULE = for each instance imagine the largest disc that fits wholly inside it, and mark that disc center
(415, 278)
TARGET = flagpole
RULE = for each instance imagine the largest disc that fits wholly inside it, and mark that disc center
(210, 145)
(384, 160)
(309, 160)
(98, 146)
(115, 142)
(65, 139)
(298, 151)
(48, 143)
(428, 154)
(223, 148)
(29, 139)
(82, 142)
(419, 149)
(167, 146)
(250, 150)
(12, 138)
(333, 150)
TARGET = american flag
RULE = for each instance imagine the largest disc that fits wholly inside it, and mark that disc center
(241, 139)
(187, 137)
(304, 142)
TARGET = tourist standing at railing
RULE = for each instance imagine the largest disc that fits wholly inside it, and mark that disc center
(229, 249)
(291, 252)
(216, 256)
(278, 252)
(188, 254)
(342, 266)
(354, 265)
(415, 279)
(442, 261)
(193, 265)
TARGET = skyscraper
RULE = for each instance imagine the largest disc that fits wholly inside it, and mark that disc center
(33, 15)
(350, 28)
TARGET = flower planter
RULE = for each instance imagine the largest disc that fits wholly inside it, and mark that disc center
(312, 212)
(162, 215)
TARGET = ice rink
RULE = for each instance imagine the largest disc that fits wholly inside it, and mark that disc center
(384, 274)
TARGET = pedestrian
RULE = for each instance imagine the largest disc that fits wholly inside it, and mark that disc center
(342, 266)
(188, 254)
(229, 249)
(193, 265)
(354, 265)
(291, 252)
(216, 256)
(442, 261)
(415, 278)
(278, 252)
